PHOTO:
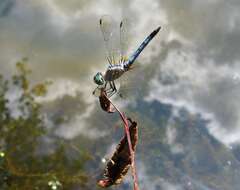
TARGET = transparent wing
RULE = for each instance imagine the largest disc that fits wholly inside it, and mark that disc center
(130, 85)
(124, 39)
(109, 36)
(135, 83)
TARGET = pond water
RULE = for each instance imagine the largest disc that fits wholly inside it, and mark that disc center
(185, 96)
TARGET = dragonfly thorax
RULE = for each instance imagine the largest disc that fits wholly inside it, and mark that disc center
(114, 72)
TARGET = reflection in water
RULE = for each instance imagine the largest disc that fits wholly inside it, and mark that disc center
(189, 94)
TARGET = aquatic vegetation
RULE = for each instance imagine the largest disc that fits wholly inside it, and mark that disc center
(22, 130)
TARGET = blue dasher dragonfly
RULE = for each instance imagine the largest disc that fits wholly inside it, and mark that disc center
(116, 68)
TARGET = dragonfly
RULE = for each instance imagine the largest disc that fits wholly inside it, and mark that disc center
(116, 68)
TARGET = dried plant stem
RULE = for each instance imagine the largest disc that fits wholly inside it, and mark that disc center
(132, 154)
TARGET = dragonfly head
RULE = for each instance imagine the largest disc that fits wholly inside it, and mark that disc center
(99, 79)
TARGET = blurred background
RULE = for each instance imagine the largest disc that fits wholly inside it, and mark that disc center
(188, 107)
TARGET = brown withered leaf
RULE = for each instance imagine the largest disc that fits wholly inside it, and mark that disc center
(117, 167)
(105, 103)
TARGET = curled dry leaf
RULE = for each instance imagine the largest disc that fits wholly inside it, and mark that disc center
(105, 103)
(120, 162)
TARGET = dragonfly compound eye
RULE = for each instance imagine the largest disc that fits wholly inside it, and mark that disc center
(98, 79)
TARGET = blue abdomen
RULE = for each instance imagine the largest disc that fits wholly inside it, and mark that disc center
(134, 56)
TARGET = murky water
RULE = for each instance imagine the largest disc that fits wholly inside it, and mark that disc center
(187, 102)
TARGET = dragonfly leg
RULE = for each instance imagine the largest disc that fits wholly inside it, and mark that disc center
(94, 91)
(114, 86)
(105, 86)
(111, 92)
(112, 89)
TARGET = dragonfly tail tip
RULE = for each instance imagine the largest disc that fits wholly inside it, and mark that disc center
(159, 28)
